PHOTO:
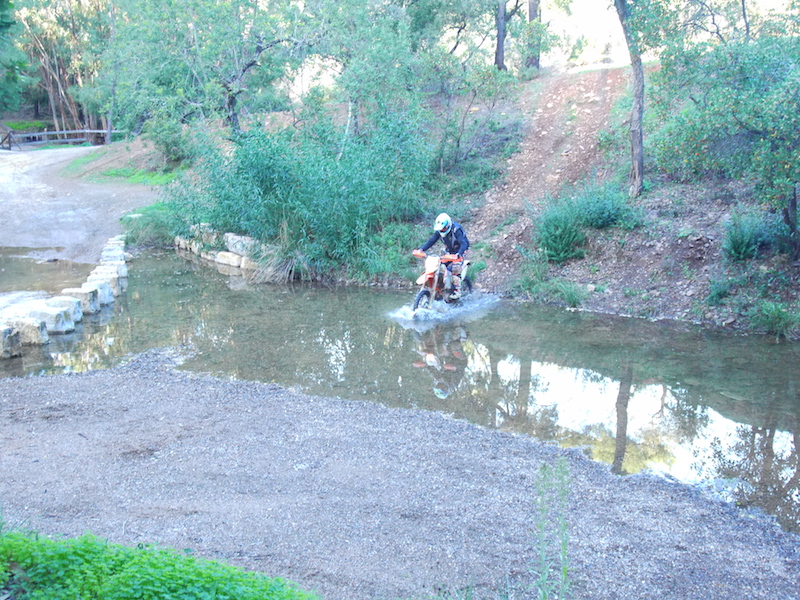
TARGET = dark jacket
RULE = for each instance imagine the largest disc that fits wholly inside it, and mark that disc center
(455, 242)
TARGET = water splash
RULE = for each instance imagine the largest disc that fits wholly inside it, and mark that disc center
(472, 307)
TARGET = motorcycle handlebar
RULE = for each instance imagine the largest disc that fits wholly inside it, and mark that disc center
(445, 257)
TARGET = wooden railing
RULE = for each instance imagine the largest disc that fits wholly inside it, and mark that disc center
(78, 136)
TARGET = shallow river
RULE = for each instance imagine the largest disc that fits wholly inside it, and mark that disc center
(707, 408)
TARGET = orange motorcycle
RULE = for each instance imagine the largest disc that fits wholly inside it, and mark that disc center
(436, 280)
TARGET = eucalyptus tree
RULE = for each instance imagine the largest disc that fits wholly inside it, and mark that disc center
(12, 62)
(181, 60)
(65, 39)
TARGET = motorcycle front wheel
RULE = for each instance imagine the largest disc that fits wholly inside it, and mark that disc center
(466, 285)
(423, 299)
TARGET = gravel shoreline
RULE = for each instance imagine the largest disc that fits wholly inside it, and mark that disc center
(353, 499)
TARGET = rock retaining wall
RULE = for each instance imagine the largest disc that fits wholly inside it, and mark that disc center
(32, 321)
(227, 249)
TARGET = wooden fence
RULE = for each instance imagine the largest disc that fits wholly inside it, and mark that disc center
(78, 136)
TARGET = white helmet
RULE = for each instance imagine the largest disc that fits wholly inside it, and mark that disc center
(443, 224)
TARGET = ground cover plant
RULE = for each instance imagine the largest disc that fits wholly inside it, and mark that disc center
(39, 568)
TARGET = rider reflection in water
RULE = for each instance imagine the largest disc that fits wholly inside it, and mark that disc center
(455, 242)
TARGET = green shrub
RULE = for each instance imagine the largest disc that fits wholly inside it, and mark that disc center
(28, 126)
(571, 293)
(149, 226)
(604, 205)
(774, 318)
(532, 272)
(745, 234)
(389, 251)
(559, 232)
(330, 201)
(88, 567)
(718, 290)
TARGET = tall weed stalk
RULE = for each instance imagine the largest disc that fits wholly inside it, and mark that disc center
(551, 566)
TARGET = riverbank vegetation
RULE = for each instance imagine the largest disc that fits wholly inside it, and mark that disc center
(332, 132)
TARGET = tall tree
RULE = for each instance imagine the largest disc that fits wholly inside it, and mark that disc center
(533, 54)
(504, 15)
(636, 177)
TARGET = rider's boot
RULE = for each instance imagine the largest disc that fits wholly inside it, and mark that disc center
(456, 288)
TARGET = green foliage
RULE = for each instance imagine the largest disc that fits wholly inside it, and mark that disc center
(559, 232)
(534, 281)
(601, 205)
(169, 136)
(571, 293)
(387, 252)
(718, 290)
(140, 176)
(28, 126)
(533, 272)
(745, 234)
(149, 226)
(774, 318)
(311, 196)
(87, 567)
(731, 110)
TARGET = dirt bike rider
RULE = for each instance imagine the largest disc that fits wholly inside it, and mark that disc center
(455, 242)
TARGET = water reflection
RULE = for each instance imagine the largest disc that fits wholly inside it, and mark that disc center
(701, 406)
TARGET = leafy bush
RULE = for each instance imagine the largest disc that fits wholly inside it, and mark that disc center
(152, 225)
(28, 126)
(604, 205)
(389, 251)
(719, 289)
(559, 232)
(88, 567)
(534, 281)
(774, 318)
(532, 273)
(745, 234)
(314, 194)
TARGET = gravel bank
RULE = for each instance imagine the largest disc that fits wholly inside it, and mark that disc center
(354, 500)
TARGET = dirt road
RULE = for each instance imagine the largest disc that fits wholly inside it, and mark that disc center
(57, 217)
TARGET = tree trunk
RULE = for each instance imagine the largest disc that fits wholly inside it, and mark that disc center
(500, 51)
(790, 218)
(533, 59)
(636, 179)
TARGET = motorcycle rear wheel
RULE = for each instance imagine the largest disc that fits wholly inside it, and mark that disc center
(423, 299)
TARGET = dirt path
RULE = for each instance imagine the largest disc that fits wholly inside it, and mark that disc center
(57, 217)
(560, 146)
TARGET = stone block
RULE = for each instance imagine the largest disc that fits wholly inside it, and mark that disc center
(120, 266)
(90, 304)
(32, 332)
(240, 244)
(248, 264)
(111, 278)
(112, 255)
(229, 258)
(56, 320)
(10, 344)
(105, 295)
(71, 304)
